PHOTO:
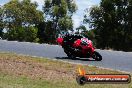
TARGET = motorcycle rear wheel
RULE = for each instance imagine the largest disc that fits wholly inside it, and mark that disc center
(69, 54)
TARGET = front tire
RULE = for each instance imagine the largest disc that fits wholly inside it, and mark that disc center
(97, 56)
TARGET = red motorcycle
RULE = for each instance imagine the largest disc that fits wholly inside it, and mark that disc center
(78, 46)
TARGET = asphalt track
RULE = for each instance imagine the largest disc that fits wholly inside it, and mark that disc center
(116, 60)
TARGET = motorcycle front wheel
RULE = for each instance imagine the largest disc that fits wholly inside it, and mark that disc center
(97, 56)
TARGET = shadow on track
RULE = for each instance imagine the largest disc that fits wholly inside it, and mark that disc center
(81, 59)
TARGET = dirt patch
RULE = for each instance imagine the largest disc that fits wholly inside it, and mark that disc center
(25, 66)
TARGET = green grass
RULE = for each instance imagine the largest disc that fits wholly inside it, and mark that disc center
(17, 71)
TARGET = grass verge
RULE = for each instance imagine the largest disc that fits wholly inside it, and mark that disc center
(17, 71)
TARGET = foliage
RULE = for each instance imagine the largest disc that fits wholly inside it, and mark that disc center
(19, 19)
(81, 29)
(112, 23)
(28, 34)
(46, 32)
(20, 16)
(21, 13)
(1, 22)
(58, 15)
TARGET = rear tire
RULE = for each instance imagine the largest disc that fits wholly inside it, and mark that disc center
(69, 54)
(97, 56)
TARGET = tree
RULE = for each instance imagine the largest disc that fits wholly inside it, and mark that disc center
(112, 24)
(128, 28)
(1, 21)
(81, 29)
(28, 34)
(95, 20)
(20, 20)
(21, 13)
(46, 32)
(59, 13)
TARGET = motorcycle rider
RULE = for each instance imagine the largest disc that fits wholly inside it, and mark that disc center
(72, 38)
(78, 46)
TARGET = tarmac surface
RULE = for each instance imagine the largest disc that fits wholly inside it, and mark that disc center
(116, 60)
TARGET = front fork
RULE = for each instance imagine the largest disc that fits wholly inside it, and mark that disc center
(92, 51)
